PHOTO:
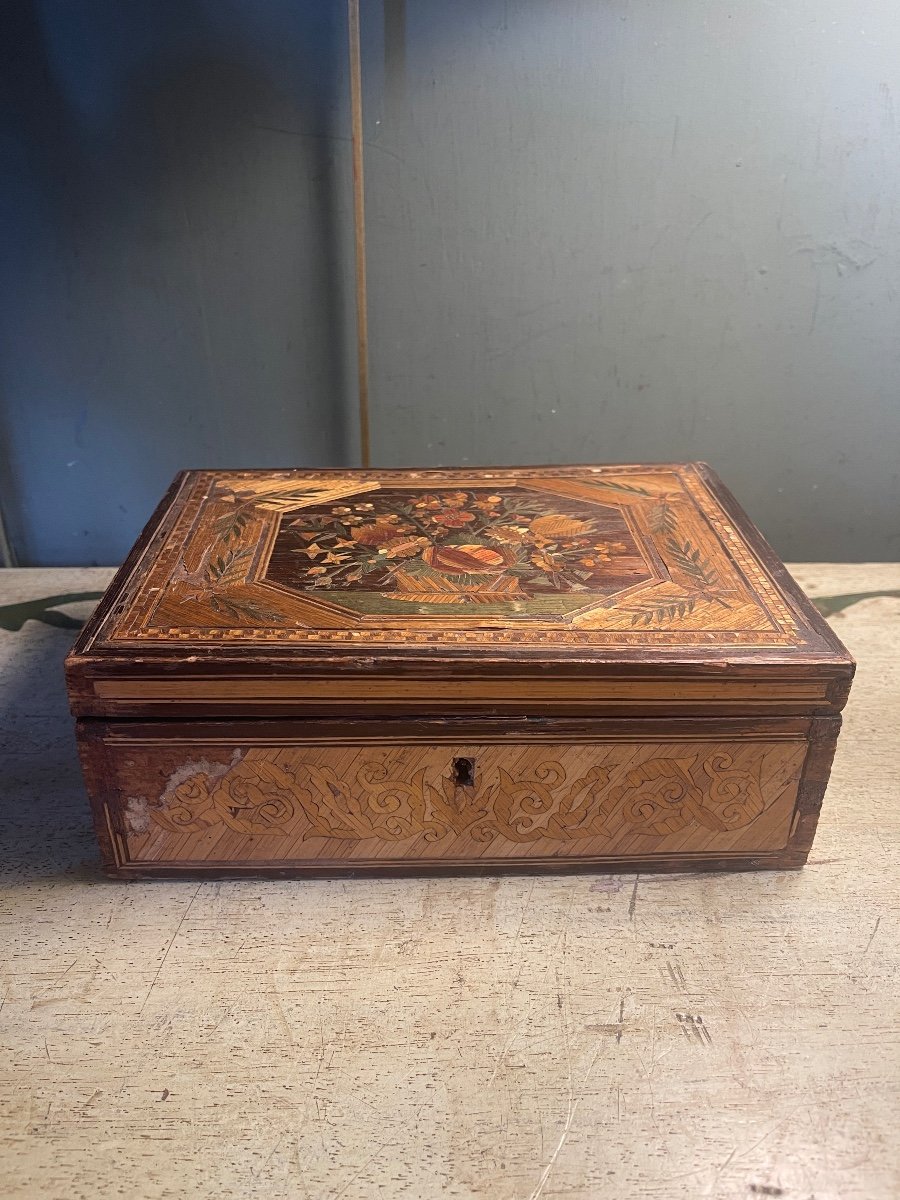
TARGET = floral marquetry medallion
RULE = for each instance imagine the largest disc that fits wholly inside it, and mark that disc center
(514, 552)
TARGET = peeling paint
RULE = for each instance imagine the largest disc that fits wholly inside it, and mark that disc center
(137, 815)
(199, 766)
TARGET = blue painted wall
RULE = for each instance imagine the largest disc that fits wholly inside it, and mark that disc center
(599, 229)
(174, 267)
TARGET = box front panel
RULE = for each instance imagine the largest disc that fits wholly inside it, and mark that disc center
(267, 796)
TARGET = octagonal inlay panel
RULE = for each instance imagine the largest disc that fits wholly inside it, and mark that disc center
(512, 550)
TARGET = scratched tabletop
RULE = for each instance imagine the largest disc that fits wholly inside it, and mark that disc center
(733, 1035)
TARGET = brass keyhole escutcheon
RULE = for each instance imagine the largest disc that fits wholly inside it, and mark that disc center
(463, 772)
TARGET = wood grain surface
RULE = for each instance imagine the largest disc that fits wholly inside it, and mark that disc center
(668, 1038)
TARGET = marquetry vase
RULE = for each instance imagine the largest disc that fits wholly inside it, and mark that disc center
(315, 672)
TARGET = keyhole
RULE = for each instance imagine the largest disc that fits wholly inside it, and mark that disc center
(463, 772)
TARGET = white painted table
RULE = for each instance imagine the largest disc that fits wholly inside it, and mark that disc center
(590, 1036)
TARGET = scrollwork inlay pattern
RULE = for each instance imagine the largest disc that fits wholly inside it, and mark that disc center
(264, 793)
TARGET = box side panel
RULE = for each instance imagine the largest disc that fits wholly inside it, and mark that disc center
(91, 739)
(327, 796)
(813, 784)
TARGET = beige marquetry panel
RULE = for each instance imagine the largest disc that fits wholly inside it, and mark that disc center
(304, 803)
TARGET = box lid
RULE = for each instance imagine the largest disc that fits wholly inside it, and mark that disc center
(604, 590)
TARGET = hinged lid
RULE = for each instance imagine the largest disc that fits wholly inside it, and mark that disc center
(610, 590)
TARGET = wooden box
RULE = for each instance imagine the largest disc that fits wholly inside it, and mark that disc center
(308, 672)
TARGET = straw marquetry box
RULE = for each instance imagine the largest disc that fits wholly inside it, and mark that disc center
(314, 672)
